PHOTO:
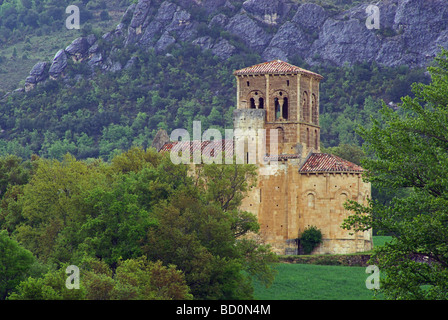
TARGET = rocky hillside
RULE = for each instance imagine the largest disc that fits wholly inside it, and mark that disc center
(410, 33)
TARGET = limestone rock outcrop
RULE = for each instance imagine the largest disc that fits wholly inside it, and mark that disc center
(411, 33)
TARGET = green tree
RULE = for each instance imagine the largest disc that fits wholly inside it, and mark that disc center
(13, 171)
(348, 152)
(409, 149)
(15, 264)
(145, 280)
(53, 207)
(134, 279)
(51, 286)
(201, 231)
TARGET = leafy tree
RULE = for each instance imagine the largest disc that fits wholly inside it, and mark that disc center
(13, 171)
(134, 279)
(409, 149)
(52, 286)
(348, 152)
(53, 206)
(15, 264)
(147, 280)
(201, 231)
(116, 224)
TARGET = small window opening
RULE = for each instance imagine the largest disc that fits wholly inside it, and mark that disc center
(307, 137)
(252, 103)
(277, 109)
(285, 108)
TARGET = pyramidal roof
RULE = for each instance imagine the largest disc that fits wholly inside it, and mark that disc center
(275, 67)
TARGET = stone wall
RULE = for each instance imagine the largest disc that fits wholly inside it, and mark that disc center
(288, 202)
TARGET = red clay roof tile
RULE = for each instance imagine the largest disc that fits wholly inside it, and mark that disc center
(323, 162)
(275, 67)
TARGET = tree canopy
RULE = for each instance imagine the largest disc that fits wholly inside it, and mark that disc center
(138, 214)
(408, 150)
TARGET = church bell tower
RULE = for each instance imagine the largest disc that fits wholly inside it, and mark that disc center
(278, 95)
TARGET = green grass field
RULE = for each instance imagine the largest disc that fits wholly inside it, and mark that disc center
(318, 282)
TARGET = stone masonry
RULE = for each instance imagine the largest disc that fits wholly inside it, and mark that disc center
(309, 188)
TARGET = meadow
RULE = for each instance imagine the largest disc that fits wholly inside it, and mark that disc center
(318, 282)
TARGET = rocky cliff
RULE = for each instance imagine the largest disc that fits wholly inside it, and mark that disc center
(410, 33)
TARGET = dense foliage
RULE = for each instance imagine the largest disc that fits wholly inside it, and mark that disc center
(409, 150)
(138, 215)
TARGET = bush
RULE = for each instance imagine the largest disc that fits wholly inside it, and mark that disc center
(104, 16)
(310, 238)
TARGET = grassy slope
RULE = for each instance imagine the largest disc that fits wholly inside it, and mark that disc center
(317, 282)
(13, 71)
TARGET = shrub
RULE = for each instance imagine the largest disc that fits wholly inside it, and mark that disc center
(310, 238)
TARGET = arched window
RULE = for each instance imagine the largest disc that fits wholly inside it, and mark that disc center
(314, 109)
(255, 100)
(281, 105)
(277, 108)
(311, 201)
(316, 140)
(252, 103)
(307, 137)
(285, 108)
(305, 107)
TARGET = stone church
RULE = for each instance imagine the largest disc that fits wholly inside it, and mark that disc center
(308, 188)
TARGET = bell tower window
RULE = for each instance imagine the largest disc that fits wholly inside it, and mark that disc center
(277, 109)
(314, 110)
(281, 105)
(285, 108)
(255, 100)
(308, 137)
(305, 107)
(252, 103)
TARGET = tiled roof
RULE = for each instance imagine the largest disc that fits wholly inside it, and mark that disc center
(275, 67)
(282, 157)
(316, 162)
(323, 162)
(196, 145)
(217, 144)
